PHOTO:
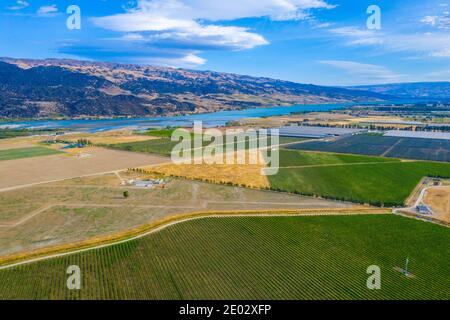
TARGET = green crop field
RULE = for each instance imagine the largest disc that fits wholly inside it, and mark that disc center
(253, 258)
(161, 146)
(290, 158)
(362, 179)
(12, 154)
(164, 146)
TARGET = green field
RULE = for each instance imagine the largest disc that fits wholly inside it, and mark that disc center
(161, 146)
(162, 133)
(253, 258)
(12, 154)
(164, 146)
(362, 179)
(13, 133)
(290, 158)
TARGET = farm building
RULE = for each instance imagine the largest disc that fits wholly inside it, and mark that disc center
(317, 132)
(423, 209)
(146, 183)
(418, 134)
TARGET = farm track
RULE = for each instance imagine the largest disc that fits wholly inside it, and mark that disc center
(142, 231)
(204, 205)
(391, 148)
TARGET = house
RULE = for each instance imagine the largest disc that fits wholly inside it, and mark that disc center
(146, 183)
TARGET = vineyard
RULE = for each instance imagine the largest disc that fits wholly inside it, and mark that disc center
(377, 183)
(377, 145)
(253, 258)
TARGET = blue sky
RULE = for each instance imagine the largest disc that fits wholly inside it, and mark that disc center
(309, 41)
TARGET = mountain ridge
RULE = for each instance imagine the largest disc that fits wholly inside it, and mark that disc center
(73, 88)
(414, 90)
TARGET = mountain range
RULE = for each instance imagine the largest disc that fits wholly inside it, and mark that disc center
(71, 88)
(415, 90)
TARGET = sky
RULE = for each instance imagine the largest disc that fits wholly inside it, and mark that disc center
(326, 42)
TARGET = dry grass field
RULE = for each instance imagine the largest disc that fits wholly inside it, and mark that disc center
(245, 175)
(82, 208)
(109, 137)
(20, 142)
(438, 199)
(22, 172)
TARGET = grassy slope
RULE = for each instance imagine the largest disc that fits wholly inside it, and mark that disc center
(377, 183)
(12, 154)
(253, 258)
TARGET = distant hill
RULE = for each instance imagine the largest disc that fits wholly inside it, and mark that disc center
(435, 90)
(53, 87)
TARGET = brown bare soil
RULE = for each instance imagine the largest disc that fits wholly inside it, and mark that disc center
(22, 172)
(438, 199)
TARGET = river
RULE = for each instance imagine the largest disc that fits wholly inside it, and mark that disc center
(212, 119)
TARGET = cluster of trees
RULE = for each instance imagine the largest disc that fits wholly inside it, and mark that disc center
(84, 142)
(434, 128)
(352, 126)
(375, 203)
(443, 128)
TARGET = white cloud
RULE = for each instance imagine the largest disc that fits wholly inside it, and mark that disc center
(365, 73)
(432, 44)
(440, 75)
(352, 32)
(230, 9)
(358, 36)
(46, 10)
(190, 60)
(20, 4)
(430, 20)
(441, 21)
(323, 25)
(214, 37)
(192, 24)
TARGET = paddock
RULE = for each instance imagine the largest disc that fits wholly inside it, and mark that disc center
(24, 172)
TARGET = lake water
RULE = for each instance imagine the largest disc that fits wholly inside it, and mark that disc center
(209, 119)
